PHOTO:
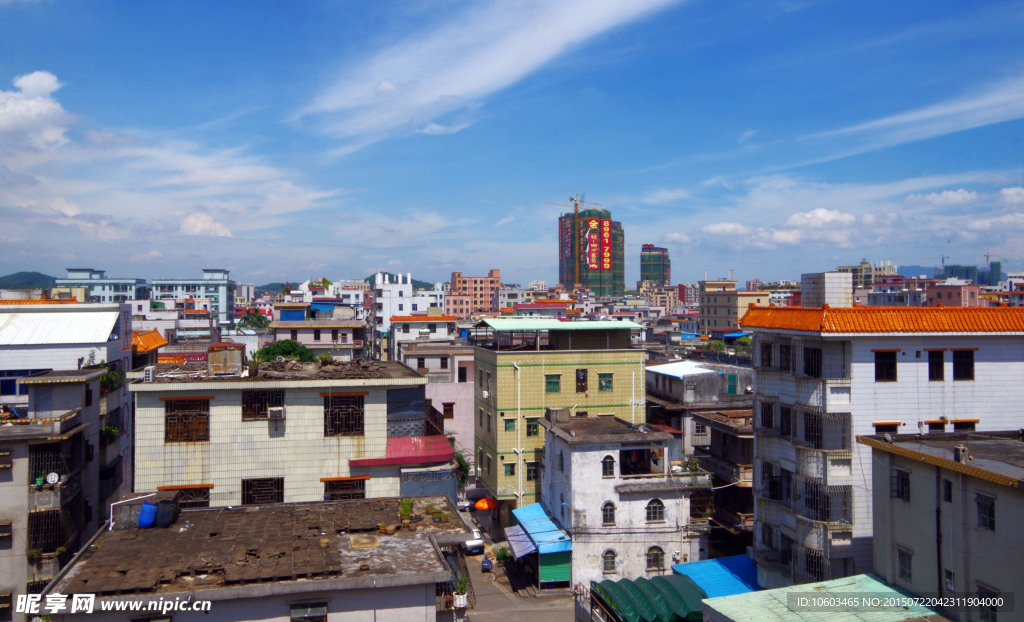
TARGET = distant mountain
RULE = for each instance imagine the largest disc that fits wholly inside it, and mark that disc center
(26, 280)
(415, 284)
(274, 288)
(913, 271)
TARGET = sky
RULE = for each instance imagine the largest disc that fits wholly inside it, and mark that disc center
(292, 140)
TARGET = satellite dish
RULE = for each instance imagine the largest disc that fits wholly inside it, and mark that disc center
(52, 478)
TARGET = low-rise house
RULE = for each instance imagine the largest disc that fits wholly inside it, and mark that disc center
(344, 560)
(229, 434)
(946, 514)
(620, 491)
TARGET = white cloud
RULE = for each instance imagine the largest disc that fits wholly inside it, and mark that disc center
(29, 117)
(678, 238)
(152, 255)
(1007, 221)
(203, 224)
(819, 217)
(436, 129)
(1013, 196)
(746, 136)
(451, 66)
(664, 195)
(505, 221)
(946, 198)
(726, 228)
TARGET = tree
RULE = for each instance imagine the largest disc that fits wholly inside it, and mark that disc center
(253, 319)
(288, 349)
(463, 465)
(743, 343)
(715, 345)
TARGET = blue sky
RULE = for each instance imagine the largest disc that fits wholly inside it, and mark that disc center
(287, 140)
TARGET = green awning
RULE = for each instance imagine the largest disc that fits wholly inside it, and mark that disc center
(688, 592)
(654, 596)
(670, 598)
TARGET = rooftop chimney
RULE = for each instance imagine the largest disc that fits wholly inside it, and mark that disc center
(960, 454)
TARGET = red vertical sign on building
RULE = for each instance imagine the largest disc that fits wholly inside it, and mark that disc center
(594, 243)
(606, 244)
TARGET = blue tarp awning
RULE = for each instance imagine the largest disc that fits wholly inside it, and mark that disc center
(737, 335)
(519, 541)
(725, 576)
(543, 532)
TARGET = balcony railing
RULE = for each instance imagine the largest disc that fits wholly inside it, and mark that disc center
(727, 470)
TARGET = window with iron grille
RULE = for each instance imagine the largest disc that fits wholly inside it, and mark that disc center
(899, 486)
(531, 471)
(885, 366)
(194, 498)
(767, 412)
(604, 382)
(532, 428)
(343, 415)
(263, 490)
(255, 403)
(904, 564)
(655, 511)
(963, 365)
(936, 365)
(186, 421)
(345, 489)
(812, 362)
(785, 357)
(986, 512)
(47, 530)
(309, 612)
(785, 420)
(655, 558)
(608, 561)
(552, 383)
(510, 468)
(608, 513)
(449, 410)
(987, 614)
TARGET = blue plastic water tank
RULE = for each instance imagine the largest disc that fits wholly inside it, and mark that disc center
(147, 515)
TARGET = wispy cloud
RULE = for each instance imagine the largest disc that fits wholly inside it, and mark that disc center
(451, 66)
(997, 103)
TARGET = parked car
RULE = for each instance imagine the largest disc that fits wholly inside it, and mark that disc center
(475, 545)
(464, 506)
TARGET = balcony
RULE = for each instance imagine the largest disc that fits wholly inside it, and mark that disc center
(733, 520)
(727, 470)
(834, 467)
(47, 497)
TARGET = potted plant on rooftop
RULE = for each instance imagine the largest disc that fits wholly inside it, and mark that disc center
(462, 591)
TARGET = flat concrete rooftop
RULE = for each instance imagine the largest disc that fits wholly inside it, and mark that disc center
(169, 373)
(999, 453)
(337, 543)
(604, 430)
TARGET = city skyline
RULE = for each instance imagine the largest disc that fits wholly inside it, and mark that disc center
(286, 141)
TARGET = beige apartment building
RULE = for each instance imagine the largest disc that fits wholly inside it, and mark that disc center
(722, 306)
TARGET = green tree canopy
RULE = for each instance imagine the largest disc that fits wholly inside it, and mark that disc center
(253, 319)
(288, 349)
(715, 345)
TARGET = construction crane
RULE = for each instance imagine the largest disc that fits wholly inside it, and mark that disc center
(941, 258)
(576, 200)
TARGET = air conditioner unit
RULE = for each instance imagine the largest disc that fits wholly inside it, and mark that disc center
(485, 394)
(275, 412)
(150, 373)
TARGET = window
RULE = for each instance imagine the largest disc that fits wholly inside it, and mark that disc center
(294, 335)
(785, 357)
(343, 415)
(481, 417)
(604, 382)
(581, 381)
(963, 364)
(255, 403)
(937, 426)
(766, 355)
(987, 614)
(192, 497)
(986, 512)
(334, 334)
(785, 420)
(311, 612)
(900, 485)
(904, 561)
(510, 469)
(421, 363)
(608, 513)
(561, 461)
(510, 425)
(345, 489)
(449, 410)
(488, 464)
(608, 467)
(186, 421)
(444, 362)
(966, 425)
(767, 415)
(552, 383)
(608, 562)
(936, 365)
(655, 558)
(462, 374)
(885, 366)
(882, 428)
(531, 471)
(532, 429)
(316, 334)
(812, 362)
(947, 491)
(405, 328)
(580, 413)
(480, 457)
(699, 429)
(9, 381)
(263, 490)
(655, 511)
(401, 307)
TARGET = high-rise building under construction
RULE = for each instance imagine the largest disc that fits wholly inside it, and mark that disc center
(591, 252)
(655, 265)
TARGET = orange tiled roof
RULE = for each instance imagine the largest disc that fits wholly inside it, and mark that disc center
(424, 318)
(887, 319)
(39, 301)
(147, 341)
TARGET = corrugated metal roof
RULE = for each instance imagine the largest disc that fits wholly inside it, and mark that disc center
(30, 329)
(774, 604)
(887, 320)
(725, 576)
(529, 323)
(680, 369)
(147, 340)
(543, 531)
